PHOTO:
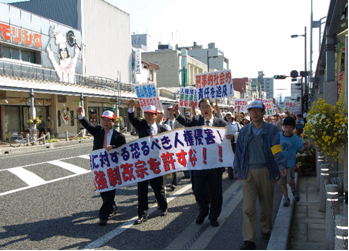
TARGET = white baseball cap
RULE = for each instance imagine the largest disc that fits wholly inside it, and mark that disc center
(256, 104)
(151, 108)
(108, 114)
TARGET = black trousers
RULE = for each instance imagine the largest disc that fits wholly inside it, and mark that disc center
(41, 130)
(108, 203)
(213, 178)
(157, 184)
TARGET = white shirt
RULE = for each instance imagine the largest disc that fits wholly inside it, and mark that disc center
(211, 120)
(173, 123)
(155, 127)
(109, 135)
(168, 128)
(234, 128)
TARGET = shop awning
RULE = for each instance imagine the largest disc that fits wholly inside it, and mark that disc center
(11, 84)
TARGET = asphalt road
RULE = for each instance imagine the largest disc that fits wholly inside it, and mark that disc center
(48, 201)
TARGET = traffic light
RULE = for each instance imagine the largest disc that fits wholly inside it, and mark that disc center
(279, 76)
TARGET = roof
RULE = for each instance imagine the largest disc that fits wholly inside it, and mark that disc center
(12, 84)
(151, 64)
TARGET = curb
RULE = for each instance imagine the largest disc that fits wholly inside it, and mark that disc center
(27, 149)
(281, 229)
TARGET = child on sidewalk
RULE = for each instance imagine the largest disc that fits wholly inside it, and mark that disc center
(290, 143)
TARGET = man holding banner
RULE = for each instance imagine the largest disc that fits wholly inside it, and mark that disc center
(108, 138)
(211, 176)
(148, 127)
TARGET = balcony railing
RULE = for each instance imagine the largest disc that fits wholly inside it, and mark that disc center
(28, 71)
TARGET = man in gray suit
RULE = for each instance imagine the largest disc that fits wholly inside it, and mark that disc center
(211, 176)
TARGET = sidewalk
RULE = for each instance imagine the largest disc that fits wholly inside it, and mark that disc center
(309, 224)
(6, 148)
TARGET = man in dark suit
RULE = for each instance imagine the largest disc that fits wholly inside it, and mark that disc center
(108, 138)
(211, 176)
(148, 127)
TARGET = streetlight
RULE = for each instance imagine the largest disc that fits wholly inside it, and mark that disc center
(305, 64)
(208, 61)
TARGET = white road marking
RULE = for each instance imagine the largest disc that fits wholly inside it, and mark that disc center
(69, 167)
(46, 182)
(28, 177)
(107, 237)
(85, 156)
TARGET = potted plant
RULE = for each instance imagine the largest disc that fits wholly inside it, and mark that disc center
(327, 127)
(305, 161)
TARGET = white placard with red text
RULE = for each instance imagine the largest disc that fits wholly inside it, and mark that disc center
(242, 103)
(269, 106)
(193, 148)
(214, 85)
(147, 95)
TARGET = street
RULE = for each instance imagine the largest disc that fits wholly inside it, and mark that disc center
(48, 201)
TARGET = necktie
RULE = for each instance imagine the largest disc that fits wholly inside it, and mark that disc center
(207, 122)
(151, 130)
(105, 142)
(171, 124)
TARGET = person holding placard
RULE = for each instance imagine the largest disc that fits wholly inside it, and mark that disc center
(148, 127)
(105, 136)
(211, 176)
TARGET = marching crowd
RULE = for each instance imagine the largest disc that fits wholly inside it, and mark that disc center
(264, 149)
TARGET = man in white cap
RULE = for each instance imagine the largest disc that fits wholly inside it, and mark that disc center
(147, 127)
(108, 138)
(259, 159)
(212, 177)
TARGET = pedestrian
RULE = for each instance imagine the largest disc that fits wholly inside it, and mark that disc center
(234, 129)
(258, 161)
(305, 114)
(300, 125)
(277, 121)
(245, 120)
(211, 176)
(104, 137)
(171, 121)
(148, 127)
(42, 126)
(49, 125)
(159, 120)
(290, 144)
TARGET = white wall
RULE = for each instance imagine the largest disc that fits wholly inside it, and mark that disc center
(106, 33)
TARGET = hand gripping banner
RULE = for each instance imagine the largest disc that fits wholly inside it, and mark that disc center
(192, 148)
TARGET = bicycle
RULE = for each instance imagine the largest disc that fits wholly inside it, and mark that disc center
(16, 140)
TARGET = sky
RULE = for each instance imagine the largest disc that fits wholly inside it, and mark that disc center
(255, 35)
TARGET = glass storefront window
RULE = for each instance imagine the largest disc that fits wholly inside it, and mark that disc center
(12, 123)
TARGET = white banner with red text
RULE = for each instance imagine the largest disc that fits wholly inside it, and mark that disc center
(192, 148)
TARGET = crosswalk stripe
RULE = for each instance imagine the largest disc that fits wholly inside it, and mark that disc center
(69, 167)
(28, 177)
(85, 156)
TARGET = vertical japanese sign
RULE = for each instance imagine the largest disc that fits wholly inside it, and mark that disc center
(138, 61)
(187, 94)
(214, 85)
(184, 54)
(147, 95)
(341, 71)
(194, 148)
(269, 106)
(242, 103)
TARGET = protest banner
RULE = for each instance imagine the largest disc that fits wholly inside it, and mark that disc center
(292, 107)
(269, 106)
(214, 85)
(147, 95)
(242, 103)
(187, 94)
(194, 148)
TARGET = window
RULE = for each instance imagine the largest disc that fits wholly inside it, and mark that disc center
(150, 75)
(18, 54)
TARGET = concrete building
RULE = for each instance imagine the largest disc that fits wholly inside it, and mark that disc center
(211, 56)
(262, 84)
(43, 65)
(105, 44)
(170, 64)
